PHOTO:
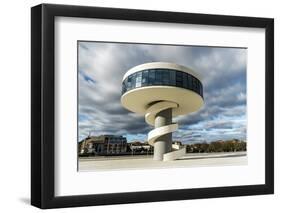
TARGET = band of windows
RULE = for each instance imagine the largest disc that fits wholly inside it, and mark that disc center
(158, 77)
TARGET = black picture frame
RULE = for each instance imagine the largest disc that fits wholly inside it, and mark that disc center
(43, 105)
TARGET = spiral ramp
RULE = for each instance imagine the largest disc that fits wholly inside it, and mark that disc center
(154, 134)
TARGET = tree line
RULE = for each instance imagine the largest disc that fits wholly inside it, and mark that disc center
(217, 146)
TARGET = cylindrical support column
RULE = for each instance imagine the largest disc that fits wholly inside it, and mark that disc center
(163, 144)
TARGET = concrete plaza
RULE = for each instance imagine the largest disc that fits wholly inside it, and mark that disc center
(146, 161)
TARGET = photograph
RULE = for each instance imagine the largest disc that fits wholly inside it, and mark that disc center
(160, 106)
(141, 105)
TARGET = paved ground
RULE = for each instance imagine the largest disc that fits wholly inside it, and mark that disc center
(146, 162)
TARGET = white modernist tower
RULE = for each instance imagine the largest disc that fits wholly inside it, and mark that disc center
(159, 91)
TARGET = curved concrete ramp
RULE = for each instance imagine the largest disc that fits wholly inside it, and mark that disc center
(174, 155)
(154, 134)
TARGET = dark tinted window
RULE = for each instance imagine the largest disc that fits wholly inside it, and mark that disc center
(144, 78)
(165, 77)
(151, 77)
(173, 78)
(184, 80)
(138, 79)
(133, 80)
(194, 85)
(179, 80)
(158, 77)
(129, 83)
(162, 77)
(189, 81)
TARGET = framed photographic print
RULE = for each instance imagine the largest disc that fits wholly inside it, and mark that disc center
(141, 106)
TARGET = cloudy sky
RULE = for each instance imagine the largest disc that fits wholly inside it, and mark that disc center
(101, 67)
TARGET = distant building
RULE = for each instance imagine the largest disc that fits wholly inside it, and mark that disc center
(103, 145)
(177, 145)
(137, 147)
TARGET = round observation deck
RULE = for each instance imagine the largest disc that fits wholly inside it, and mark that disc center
(147, 84)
